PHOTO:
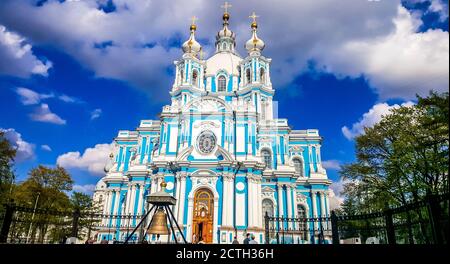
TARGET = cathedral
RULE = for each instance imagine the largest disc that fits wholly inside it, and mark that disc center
(220, 150)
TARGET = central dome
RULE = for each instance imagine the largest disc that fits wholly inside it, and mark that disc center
(223, 61)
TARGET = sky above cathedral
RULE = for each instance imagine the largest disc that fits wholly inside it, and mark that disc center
(72, 73)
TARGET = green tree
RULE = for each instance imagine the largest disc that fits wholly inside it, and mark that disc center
(46, 189)
(7, 154)
(402, 158)
(87, 209)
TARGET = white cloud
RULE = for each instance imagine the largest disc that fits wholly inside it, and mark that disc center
(96, 113)
(87, 188)
(69, 99)
(43, 114)
(376, 39)
(46, 147)
(399, 65)
(30, 97)
(331, 164)
(24, 150)
(17, 56)
(93, 159)
(370, 118)
(336, 198)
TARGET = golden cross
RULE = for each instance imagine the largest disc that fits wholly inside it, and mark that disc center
(194, 18)
(226, 6)
(253, 16)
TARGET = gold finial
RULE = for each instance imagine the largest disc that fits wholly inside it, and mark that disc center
(226, 16)
(254, 16)
(193, 26)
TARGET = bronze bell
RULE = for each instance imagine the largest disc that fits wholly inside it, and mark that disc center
(159, 223)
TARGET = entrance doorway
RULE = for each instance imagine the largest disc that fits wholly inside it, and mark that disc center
(202, 223)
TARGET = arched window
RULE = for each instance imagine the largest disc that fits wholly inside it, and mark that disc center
(247, 75)
(100, 200)
(267, 206)
(224, 46)
(181, 76)
(222, 84)
(194, 77)
(303, 219)
(298, 165)
(262, 75)
(267, 157)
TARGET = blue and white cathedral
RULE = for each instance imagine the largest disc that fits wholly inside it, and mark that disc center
(223, 155)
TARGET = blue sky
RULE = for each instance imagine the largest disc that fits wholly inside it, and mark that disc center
(70, 82)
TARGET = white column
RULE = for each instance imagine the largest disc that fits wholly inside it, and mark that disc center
(280, 200)
(286, 150)
(216, 220)
(106, 207)
(311, 163)
(255, 202)
(180, 216)
(225, 200)
(289, 203)
(116, 202)
(314, 209)
(294, 193)
(141, 198)
(323, 213)
(259, 204)
(250, 202)
(230, 198)
(177, 194)
(327, 209)
(133, 198)
(327, 199)
(128, 200)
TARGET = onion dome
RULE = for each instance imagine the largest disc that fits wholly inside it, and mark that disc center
(254, 44)
(225, 32)
(191, 45)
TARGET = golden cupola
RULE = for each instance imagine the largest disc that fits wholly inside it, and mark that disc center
(254, 44)
(191, 46)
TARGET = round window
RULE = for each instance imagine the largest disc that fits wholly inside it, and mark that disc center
(206, 142)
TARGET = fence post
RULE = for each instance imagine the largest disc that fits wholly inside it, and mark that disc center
(266, 227)
(334, 228)
(434, 212)
(76, 217)
(389, 227)
(7, 222)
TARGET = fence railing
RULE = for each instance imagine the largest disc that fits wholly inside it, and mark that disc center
(422, 222)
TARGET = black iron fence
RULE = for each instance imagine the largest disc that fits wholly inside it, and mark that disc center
(281, 230)
(422, 222)
(21, 224)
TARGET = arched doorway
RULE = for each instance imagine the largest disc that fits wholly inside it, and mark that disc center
(202, 223)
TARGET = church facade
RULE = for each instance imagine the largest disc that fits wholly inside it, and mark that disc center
(219, 148)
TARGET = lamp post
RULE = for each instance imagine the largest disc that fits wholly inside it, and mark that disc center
(32, 217)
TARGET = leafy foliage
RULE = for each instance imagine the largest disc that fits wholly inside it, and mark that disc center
(401, 159)
(7, 154)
